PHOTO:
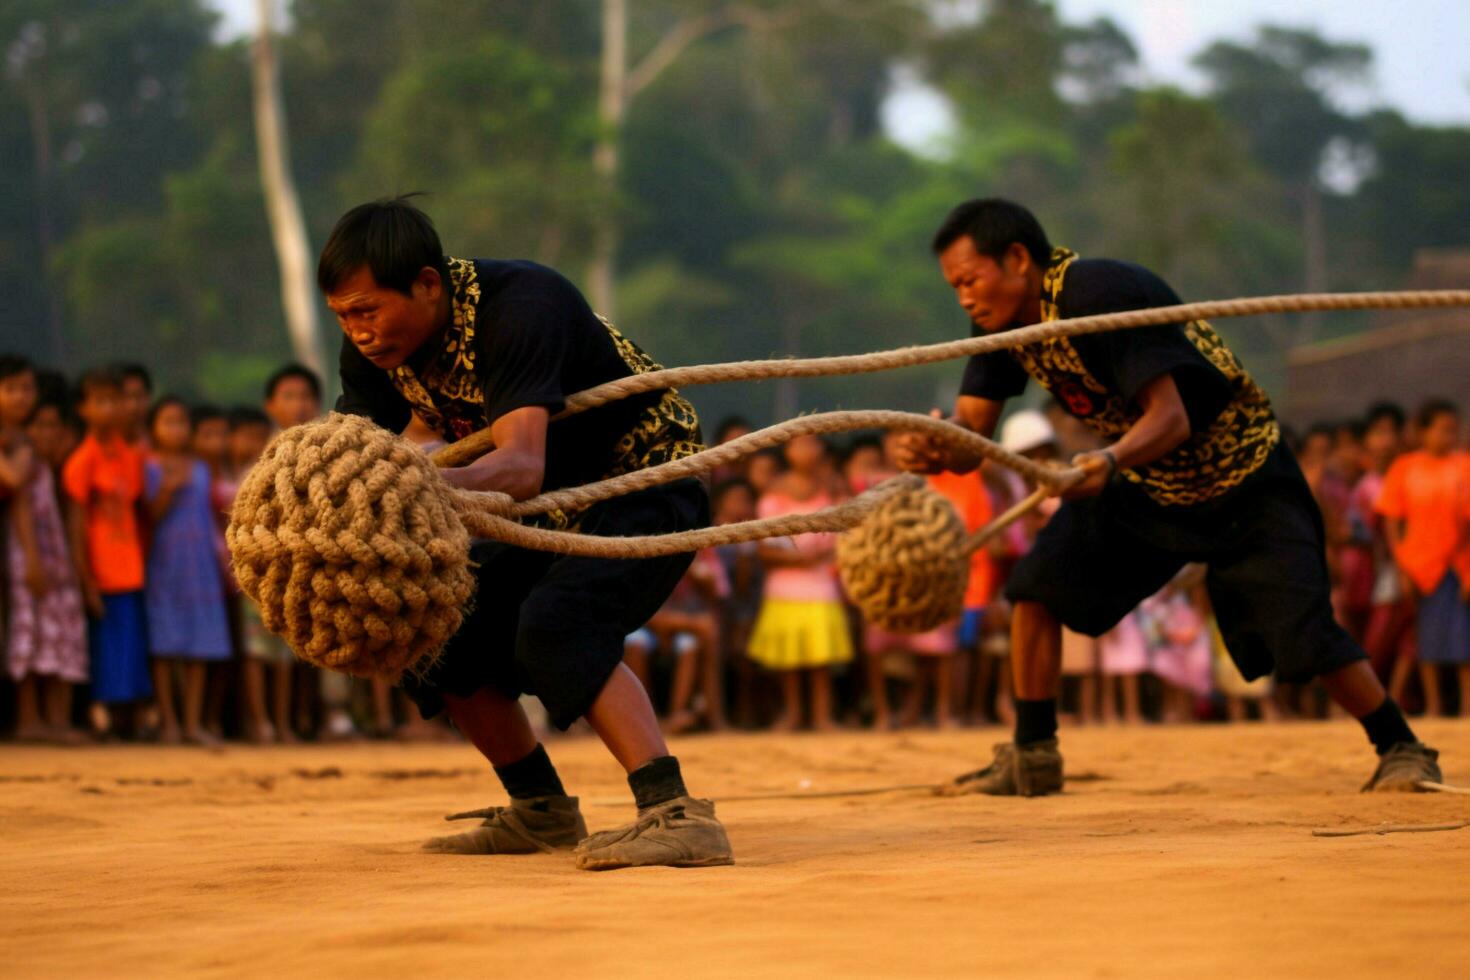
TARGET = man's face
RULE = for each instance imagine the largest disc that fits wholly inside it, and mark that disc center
(385, 325)
(992, 293)
(293, 402)
(134, 404)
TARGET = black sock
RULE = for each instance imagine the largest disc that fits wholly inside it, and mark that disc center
(657, 782)
(531, 777)
(1386, 726)
(1036, 721)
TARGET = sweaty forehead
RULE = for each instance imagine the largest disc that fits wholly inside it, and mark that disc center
(358, 289)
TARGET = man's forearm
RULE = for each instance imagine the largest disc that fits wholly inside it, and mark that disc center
(505, 471)
(1160, 430)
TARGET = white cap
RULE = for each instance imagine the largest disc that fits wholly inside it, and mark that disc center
(1026, 430)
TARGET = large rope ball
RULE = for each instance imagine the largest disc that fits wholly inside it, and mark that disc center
(907, 565)
(346, 537)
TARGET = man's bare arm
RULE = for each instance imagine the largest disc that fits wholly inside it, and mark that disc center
(517, 464)
(921, 453)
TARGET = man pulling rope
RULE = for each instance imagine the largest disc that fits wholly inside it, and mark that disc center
(1194, 471)
(438, 348)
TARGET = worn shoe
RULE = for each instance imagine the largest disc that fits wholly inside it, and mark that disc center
(1034, 769)
(1401, 768)
(682, 833)
(544, 824)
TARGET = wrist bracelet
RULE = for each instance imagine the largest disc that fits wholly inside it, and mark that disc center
(1107, 454)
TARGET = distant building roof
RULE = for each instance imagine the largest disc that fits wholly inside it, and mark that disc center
(1410, 356)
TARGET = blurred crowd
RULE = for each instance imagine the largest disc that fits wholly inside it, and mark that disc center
(121, 618)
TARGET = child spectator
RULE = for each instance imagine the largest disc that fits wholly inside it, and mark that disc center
(764, 470)
(137, 394)
(934, 663)
(732, 503)
(801, 630)
(1175, 622)
(187, 625)
(864, 464)
(1238, 692)
(1123, 652)
(687, 626)
(1388, 637)
(212, 445)
(731, 427)
(46, 649)
(1426, 500)
(250, 430)
(293, 396)
(104, 477)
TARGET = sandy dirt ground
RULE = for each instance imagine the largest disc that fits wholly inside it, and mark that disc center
(1180, 852)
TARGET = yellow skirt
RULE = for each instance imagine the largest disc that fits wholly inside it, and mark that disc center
(791, 634)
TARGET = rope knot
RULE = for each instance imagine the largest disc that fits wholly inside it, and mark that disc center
(907, 565)
(347, 538)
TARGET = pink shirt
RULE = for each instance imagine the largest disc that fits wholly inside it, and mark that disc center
(816, 583)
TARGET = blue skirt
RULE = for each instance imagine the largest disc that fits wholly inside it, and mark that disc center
(1444, 624)
(120, 650)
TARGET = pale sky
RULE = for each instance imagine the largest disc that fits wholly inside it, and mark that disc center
(1421, 48)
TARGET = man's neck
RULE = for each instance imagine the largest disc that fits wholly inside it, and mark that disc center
(1030, 311)
(426, 351)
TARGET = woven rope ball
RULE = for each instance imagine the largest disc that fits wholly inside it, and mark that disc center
(346, 537)
(906, 566)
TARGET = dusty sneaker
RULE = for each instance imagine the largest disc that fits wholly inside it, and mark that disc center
(544, 824)
(682, 833)
(1402, 767)
(1034, 769)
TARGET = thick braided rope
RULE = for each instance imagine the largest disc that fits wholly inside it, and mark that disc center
(357, 551)
(346, 539)
(481, 520)
(811, 367)
(703, 462)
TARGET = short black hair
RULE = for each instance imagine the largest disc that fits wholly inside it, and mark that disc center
(1379, 411)
(1432, 409)
(1353, 427)
(730, 422)
(289, 371)
(243, 415)
(205, 412)
(165, 402)
(857, 444)
(129, 370)
(392, 237)
(993, 224)
(13, 364)
(725, 487)
(97, 377)
(1327, 430)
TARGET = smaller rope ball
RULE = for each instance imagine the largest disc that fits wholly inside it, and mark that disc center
(906, 566)
(346, 537)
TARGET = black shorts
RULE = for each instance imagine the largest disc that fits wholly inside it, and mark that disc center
(1097, 559)
(553, 625)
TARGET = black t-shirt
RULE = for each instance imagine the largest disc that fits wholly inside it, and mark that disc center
(1125, 361)
(520, 335)
(1097, 378)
